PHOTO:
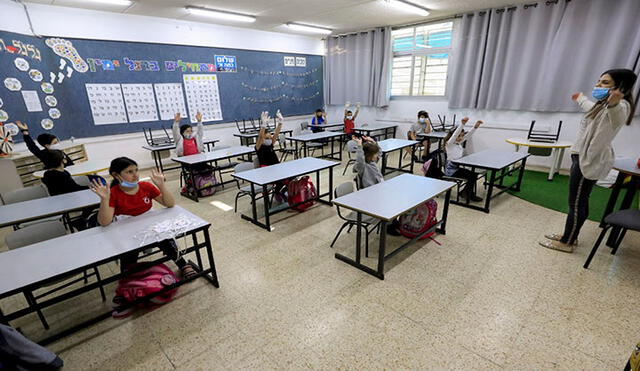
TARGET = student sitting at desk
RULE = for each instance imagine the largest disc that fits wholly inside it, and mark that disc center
(318, 119)
(57, 179)
(130, 197)
(454, 141)
(267, 155)
(186, 142)
(367, 155)
(350, 118)
(422, 126)
(46, 140)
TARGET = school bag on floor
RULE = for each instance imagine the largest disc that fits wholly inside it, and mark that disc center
(205, 179)
(418, 220)
(299, 190)
(146, 282)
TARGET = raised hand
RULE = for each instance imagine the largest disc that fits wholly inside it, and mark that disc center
(357, 140)
(100, 189)
(199, 117)
(574, 97)
(347, 105)
(177, 117)
(478, 123)
(279, 116)
(22, 126)
(157, 178)
(358, 105)
(464, 120)
(264, 118)
(615, 96)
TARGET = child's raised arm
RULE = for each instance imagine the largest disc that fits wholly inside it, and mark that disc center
(105, 213)
(175, 128)
(357, 111)
(261, 135)
(166, 198)
(200, 127)
(458, 130)
(346, 108)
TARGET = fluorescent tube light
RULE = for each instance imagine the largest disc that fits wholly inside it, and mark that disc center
(114, 2)
(308, 28)
(408, 7)
(219, 14)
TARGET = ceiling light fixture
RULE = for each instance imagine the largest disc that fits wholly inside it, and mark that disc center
(308, 28)
(114, 2)
(220, 14)
(408, 7)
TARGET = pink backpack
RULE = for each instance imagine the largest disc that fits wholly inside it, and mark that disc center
(418, 220)
(148, 281)
(299, 190)
(203, 180)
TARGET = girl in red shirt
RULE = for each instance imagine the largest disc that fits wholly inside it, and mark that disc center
(130, 197)
(350, 118)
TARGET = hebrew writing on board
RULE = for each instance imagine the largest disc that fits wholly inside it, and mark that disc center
(140, 102)
(107, 104)
(203, 96)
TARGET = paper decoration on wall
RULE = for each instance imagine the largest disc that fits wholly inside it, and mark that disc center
(21, 64)
(31, 100)
(18, 47)
(170, 100)
(12, 128)
(140, 102)
(12, 84)
(47, 124)
(47, 88)
(274, 73)
(54, 113)
(6, 141)
(281, 85)
(225, 63)
(3, 116)
(289, 61)
(51, 101)
(301, 62)
(1, 102)
(107, 104)
(203, 96)
(65, 49)
(302, 99)
(35, 75)
(281, 97)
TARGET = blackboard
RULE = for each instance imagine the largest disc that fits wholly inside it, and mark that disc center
(261, 81)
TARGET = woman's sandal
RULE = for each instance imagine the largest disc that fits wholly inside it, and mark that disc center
(188, 272)
(559, 246)
(558, 237)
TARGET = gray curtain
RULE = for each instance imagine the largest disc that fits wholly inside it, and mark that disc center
(357, 68)
(534, 57)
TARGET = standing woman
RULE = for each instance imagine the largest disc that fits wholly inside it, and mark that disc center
(592, 155)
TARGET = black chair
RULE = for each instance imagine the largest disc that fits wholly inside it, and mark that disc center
(284, 148)
(623, 219)
(369, 224)
(158, 140)
(543, 136)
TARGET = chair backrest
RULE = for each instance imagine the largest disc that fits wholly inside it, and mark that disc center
(243, 166)
(543, 136)
(352, 146)
(282, 140)
(82, 180)
(35, 233)
(25, 194)
(342, 190)
(306, 131)
(304, 125)
(426, 166)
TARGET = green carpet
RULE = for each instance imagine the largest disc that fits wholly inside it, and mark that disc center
(554, 195)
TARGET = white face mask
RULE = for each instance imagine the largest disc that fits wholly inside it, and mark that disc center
(349, 117)
(268, 142)
(188, 136)
(56, 146)
(422, 120)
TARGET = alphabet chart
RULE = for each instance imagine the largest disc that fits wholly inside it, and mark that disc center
(140, 101)
(107, 104)
(170, 100)
(203, 96)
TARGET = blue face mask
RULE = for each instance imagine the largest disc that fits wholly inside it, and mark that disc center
(128, 184)
(600, 93)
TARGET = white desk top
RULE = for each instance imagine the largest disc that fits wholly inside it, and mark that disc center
(529, 143)
(165, 147)
(315, 136)
(627, 166)
(491, 159)
(390, 145)
(284, 170)
(21, 212)
(35, 263)
(324, 126)
(218, 154)
(80, 168)
(434, 134)
(374, 127)
(394, 197)
(255, 134)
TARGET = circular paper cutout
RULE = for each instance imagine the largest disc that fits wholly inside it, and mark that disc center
(54, 113)
(46, 88)
(47, 124)
(12, 128)
(35, 75)
(12, 84)
(21, 64)
(3, 116)
(51, 101)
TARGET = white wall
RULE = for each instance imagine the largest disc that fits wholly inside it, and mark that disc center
(81, 23)
(499, 125)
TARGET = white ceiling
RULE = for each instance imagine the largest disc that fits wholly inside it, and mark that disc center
(339, 15)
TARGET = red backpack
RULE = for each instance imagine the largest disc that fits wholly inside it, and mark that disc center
(299, 190)
(145, 282)
(418, 220)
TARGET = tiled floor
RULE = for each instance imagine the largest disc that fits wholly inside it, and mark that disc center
(488, 298)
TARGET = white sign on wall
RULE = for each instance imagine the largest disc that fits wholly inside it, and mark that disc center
(289, 61)
(301, 62)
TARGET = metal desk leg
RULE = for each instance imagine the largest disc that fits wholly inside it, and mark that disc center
(613, 198)
(445, 213)
(555, 154)
(265, 197)
(358, 237)
(520, 175)
(413, 157)
(253, 203)
(304, 149)
(381, 249)
(159, 161)
(559, 163)
(212, 265)
(384, 163)
(297, 154)
(330, 183)
(194, 238)
(487, 200)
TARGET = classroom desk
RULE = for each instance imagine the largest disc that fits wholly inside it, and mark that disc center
(435, 135)
(388, 200)
(81, 168)
(390, 145)
(286, 170)
(324, 127)
(38, 265)
(189, 162)
(626, 167)
(249, 139)
(157, 150)
(27, 211)
(388, 130)
(305, 139)
(557, 151)
(493, 161)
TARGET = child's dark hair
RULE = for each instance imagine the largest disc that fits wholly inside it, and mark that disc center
(184, 128)
(53, 159)
(46, 139)
(370, 150)
(624, 79)
(118, 165)
(349, 112)
(423, 113)
(319, 110)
